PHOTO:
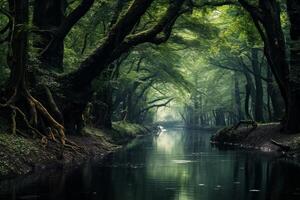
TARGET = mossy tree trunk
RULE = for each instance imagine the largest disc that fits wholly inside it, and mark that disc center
(27, 113)
(71, 93)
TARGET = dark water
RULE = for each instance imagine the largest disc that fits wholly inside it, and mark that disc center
(176, 165)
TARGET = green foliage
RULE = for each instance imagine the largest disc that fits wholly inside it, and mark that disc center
(129, 129)
(189, 68)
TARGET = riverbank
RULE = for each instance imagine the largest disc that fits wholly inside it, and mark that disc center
(20, 156)
(264, 137)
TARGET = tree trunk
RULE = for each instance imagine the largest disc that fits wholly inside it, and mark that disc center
(19, 46)
(275, 97)
(238, 102)
(103, 107)
(293, 125)
(74, 90)
(48, 15)
(130, 107)
(259, 102)
(250, 93)
(266, 18)
(220, 117)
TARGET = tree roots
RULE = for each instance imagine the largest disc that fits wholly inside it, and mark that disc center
(52, 131)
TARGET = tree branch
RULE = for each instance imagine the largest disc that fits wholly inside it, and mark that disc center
(146, 88)
(156, 106)
(164, 26)
(73, 18)
(118, 40)
(158, 99)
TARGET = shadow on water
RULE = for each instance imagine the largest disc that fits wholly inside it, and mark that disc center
(178, 165)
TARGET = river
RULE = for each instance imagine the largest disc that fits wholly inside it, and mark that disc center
(176, 165)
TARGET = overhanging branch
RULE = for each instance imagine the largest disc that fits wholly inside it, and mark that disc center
(156, 106)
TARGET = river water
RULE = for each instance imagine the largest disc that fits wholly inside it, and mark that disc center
(176, 165)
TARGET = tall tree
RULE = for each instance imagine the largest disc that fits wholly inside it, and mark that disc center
(293, 125)
(119, 40)
(266, 18)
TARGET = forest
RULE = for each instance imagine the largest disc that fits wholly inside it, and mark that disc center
(80, 78)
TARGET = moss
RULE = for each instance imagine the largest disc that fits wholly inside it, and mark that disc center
(15, 151)
(18, 145)
(124, 131)
(19, 155)
(129, 129)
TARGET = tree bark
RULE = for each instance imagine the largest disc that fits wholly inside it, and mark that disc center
(19, 46)
(293, 125)
(259, 102)
(50, 18)
(48, 15)
(275, 97)
(250, 92)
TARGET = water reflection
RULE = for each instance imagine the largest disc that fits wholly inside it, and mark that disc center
(176, 165)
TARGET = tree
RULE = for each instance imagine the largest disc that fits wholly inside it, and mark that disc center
(266, 18)
(67, 95)
(53, 26)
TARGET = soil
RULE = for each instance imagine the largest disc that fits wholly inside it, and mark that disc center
(265, 137)
(22, 156)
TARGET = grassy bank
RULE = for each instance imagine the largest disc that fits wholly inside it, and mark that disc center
(265, 137)
(20, 155)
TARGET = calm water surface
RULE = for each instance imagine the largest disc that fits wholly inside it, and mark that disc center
(176, 165)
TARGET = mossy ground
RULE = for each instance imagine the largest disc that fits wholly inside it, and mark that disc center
(124, 131)
(19, 155)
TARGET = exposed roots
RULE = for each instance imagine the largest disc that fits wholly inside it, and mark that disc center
(54, 132)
